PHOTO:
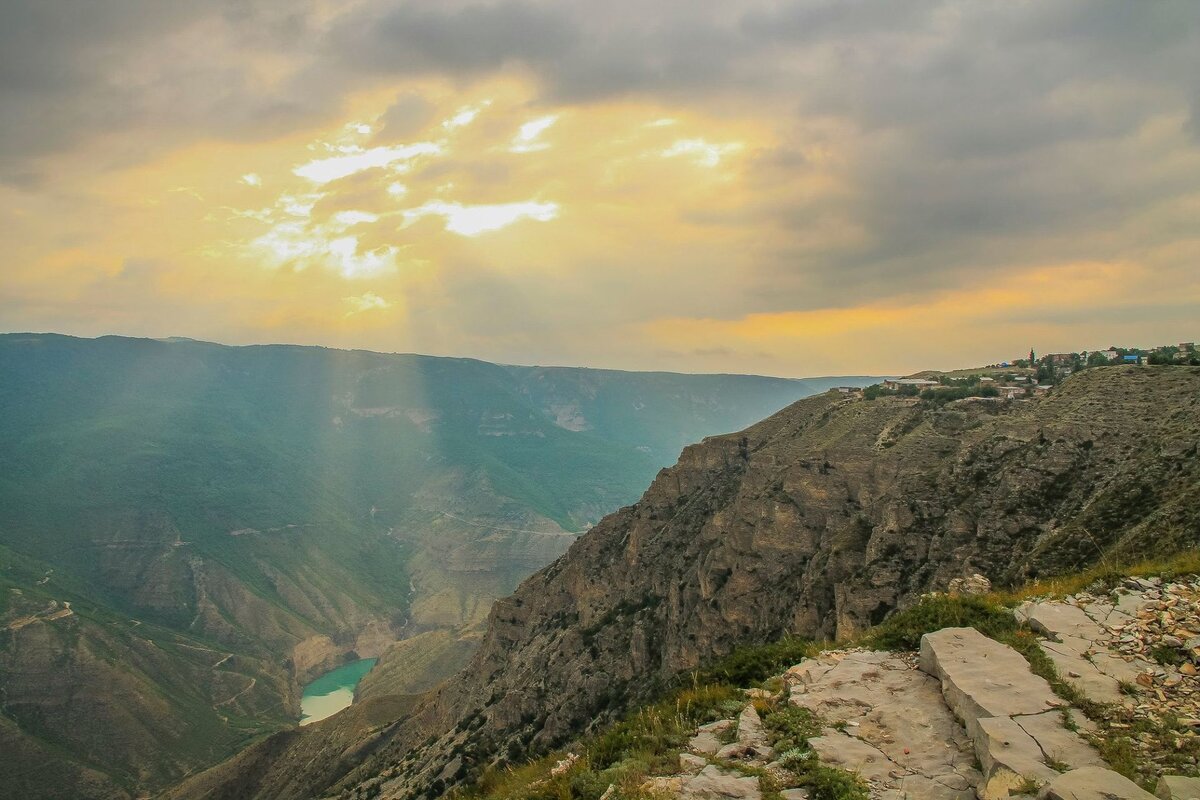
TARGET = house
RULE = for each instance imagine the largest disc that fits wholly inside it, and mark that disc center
(986, 379)
(1041, 388)
(900, 383)
(1059, 359)
(849, 389)
(1130, 359)
(1111, 355)
(1009, 392)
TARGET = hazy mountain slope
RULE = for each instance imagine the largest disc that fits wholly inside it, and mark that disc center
(817, 521)
(285, 506)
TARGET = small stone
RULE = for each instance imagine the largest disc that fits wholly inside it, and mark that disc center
(976, 584)
(1187, 669)
(562, 766)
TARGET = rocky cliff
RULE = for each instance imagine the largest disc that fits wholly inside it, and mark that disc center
(818, 521)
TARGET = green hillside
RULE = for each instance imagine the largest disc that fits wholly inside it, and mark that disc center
(275, 510)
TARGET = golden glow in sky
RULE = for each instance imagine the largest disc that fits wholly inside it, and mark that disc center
(772, 197)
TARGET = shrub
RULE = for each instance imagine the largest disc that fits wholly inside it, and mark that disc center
(790, 728)
(829, 783)
(746, 666)
(903, 630)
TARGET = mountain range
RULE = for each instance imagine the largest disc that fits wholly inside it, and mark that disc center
(817, 522)
(189, 531)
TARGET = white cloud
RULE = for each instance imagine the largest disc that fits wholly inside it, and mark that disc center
(367, 301)
(474, 220)
(297, 242)
(703, 153)
(252, 179)
(348, 219)
(528, 138)
(353, 264)
(324, 170)
(465, 116)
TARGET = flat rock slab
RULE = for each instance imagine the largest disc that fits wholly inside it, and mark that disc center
(714, 783)
(894, 727)
(982, 678)
(1131, 604)
(1085, 674)
(1080, 646)
(1012, 715)
(708, 737)
(1093, 783)
(1178, 787)
(854, 755)
(1058, 620)
(1010, 757)
(1057, 742)
(750, 731)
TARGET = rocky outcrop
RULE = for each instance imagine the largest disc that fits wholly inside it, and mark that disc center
(818, 521)
(966, 718)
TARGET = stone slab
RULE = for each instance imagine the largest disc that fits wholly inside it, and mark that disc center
(1093, 783)
(714, 783)
(893, 715)
(1178, 787)
(1058, 620)
(982, 678)
(1058, 743)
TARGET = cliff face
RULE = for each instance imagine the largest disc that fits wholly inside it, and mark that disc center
(818, 521)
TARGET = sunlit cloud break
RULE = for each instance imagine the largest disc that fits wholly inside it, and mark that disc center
(465, 116)
(474, 220)
(367, 301)
(324, 170)
(704, 153)
(528, 138)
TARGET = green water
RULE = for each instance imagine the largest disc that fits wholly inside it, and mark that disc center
(333, 691)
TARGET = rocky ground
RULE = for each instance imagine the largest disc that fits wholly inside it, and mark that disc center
(968, 717)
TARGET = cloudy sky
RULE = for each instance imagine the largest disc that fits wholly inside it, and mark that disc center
(795, 187)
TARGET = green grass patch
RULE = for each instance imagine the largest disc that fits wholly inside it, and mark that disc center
(903, 630)
(749, 666)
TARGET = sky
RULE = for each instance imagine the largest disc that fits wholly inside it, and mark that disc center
(792, 187)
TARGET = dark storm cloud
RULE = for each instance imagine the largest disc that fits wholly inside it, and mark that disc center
(413, 37)
(579, 51)
(70, 71)
(404, 118)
